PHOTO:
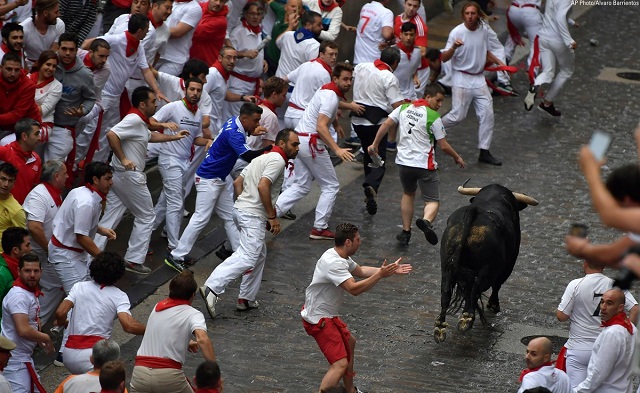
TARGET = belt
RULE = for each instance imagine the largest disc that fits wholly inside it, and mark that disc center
(313, 143)
(157, 362)
(294, 106)
(525, 6)
(57, 243)
(250, 79)
(77, 341)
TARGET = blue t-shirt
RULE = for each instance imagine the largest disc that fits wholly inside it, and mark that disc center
(225, 150)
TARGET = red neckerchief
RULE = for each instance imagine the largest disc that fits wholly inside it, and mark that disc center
(88, 62)
(34, 78)
(193, 108)
(268, 104)
(381, 65)
(54, 192)
(136, 111)
(67, 67)
(333, 87)
(327, 8)
(37, 292)
(619, 319)
(323, 64)
(530, 370)
(153, 21)
(277, 149)
(12, 264)
(223, 11)
(421, 102)
(93, 189)
(132, 44)
(253, 29)
(218, 66)
(5, 48)
(407, 51)
(168, 303)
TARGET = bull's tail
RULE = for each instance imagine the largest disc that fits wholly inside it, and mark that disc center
(461, 279)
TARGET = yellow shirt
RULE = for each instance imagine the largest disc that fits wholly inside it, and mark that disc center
(11, 215)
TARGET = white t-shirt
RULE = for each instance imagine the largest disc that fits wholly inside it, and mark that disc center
(178, 113)
(5, 386)
(270, 166)
(555, 26)
(23, 12)
(134, 137)
(323, 102)
(414, 141)
(169, 331)
(174, 89)
(549, 377)
(83, 383)
(177, 49)
(122, 67)
(100, 76)
(234, 15)
(293, 54)
(307, 79)
(374, 87)
(581, 301)
(268, 120)
(40, 206)
(323, 296)
(216, 87)
(36, 43)
(470, 57)
(19, 301)
(404, 72)
(79, 214)
(373, 17)
(244, 39)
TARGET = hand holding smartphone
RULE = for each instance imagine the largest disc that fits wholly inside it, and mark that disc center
(600, 143)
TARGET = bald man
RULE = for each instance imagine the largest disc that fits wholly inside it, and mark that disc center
(609, 368)
(540, 370)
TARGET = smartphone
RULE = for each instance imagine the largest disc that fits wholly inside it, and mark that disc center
(599, 143)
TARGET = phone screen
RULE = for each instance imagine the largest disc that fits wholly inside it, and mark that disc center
(599, 144)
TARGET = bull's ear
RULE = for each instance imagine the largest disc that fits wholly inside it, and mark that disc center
(521, 205)
(471, 200)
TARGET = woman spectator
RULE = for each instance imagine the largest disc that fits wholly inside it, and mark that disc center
(48, 92)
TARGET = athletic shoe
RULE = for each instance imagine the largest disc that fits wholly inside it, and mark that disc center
(59, 361)
(429, 234)
(188, 261)
(353, 141)
(174, 263)
(137, 268)
(289, 215)
(244, 304)
(486, 157)
(185, 213)
(507, 89)
(550, 110)
(392, 146)
(223, 253)
(321, 234)
(210, 300)
(370, 200)
(530, 98)
(403, 237)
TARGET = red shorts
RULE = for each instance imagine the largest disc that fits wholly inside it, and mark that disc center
(332, 336)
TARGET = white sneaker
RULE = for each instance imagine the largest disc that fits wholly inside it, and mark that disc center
(210, 300)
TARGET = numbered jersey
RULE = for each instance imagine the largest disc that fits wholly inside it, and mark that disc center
(373, 17)
(419, 127)
(581, 301)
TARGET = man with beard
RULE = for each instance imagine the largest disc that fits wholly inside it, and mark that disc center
(21, 154)
(540, 370)
(17, 99)
(298, 45)
(41, 31)
(13, 40)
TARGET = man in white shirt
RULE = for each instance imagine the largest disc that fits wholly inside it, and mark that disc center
(610, 365)
(275, 94)
(6, 346)
(331, 14)
(299, 45)
(102, 352)
(185, 16)
(374, 31)
(334, 274)
(468, 50)
(42, 31)
(410, 14)
(540, 370)
(410, 60)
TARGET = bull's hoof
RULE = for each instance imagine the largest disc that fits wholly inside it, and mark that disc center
(440, 334)
(495, 307)
(465, 322)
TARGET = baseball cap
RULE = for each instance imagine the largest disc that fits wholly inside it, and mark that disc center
(6, 344)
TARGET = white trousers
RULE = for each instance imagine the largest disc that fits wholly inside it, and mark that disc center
(129, 191)
(292, 118)
(170, 204)
(18, 376)
(248, 260)
(84, 132)
(461, 98)
(307, 169)
(70, 266)
(557, 61)
(577, 362)
(423, 77)
(198, 156)
(77, 360)
(59, 145)
(51, 286)
(524, 19)
(213, 194)
(110, 118)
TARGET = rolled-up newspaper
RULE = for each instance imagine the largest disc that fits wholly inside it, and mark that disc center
(263, 43)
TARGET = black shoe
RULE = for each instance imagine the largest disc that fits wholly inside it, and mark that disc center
(550, 110)
(223, 253)
(404, 237)
(429, 234)
(174, 263)
(372, 205)
(289, 215)
(486, 157)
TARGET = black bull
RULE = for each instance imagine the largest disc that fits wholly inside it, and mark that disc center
(478, 251)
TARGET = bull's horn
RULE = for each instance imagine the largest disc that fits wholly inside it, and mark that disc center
(525, 199)
(468, 190)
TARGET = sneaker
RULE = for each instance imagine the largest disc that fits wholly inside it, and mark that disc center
(370, 200)
(137, 268)
(353, 141)
(163, 234)
(322, 234)
(404, 237)
(185, 213)
(429, 234)
(392, 146)
(59, 361)
(188, 261)
(210, 300)
(506, 89)
(289, 215)
(223, 253)
(174, 263)
(550, 110)
(486, 157)
(530, 99)
(244, 304)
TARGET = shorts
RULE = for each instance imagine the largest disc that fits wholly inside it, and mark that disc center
(332, 336)
(428, 180)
